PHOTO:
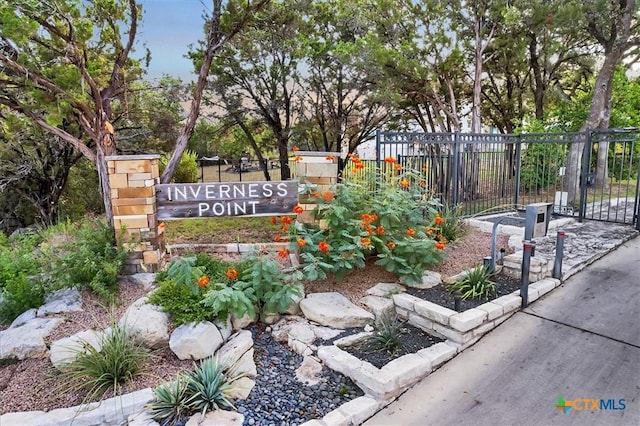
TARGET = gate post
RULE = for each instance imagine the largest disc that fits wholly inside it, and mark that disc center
(135, 215)
(456, 169)
(584, 174)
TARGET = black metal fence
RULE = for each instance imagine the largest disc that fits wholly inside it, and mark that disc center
(483, 173)
(215, 169)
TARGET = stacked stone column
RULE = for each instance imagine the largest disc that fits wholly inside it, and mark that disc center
(133, 196)
(320, 170)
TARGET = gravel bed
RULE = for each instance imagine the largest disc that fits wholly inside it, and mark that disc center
(440, 295)
(279, 398)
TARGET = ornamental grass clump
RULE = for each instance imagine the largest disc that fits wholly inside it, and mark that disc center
(392, 220)
(101, 371)
(475, 285)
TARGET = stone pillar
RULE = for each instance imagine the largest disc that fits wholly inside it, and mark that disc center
(133, 195)
(320, 170)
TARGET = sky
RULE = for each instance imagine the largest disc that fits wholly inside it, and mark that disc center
(168, 28)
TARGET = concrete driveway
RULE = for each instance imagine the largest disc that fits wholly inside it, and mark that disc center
(577, 347)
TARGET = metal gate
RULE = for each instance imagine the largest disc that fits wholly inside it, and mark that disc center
(489, 173)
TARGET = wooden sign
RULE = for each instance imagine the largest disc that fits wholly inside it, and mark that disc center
(182, 200)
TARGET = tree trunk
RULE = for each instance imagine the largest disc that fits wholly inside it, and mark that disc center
(256, 149)
(598, 119)
(283, 157)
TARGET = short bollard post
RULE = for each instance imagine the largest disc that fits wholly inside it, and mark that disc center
(557, 263)
(528, 248)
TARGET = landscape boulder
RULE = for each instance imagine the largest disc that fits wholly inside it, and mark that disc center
(195, 340)
(65, 300)
(334, 310)
(235, 348)
(65, 351)
(146, 324)
(27, 340)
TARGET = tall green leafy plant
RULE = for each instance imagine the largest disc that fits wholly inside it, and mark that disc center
(89, 259)
(21, 286)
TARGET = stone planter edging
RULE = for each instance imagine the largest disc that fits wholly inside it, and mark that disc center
(113, 411)
(465, 328)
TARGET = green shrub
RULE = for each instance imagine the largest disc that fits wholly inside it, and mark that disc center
(201, 288)
(18, 257)
(97, 372)
(187, 171)
(91, 259)
(20, 294)
(20, 287)
(261, 289)
(475, 285)
(181, 303)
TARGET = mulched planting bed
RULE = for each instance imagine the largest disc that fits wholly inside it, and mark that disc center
(411, 338)
(440, 295)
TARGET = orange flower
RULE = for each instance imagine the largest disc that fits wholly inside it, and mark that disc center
(274, 220)
(355, 159)
(277, 238)
(284, 228)
(373, 217)
(323, 246)
(296, 149)
(411, 232)
(365, 242)
(430, 231)
(390, 160)
(369, 230)
(315, 194)
(298, 209)
(330, 158)
(161, 225)
(301, 242)
(380, 230)
(232, 274)
(203, 281)
(359, 166)
(440, 245)
(283, 253)
(397, 167)
(438, 220)
(297, 158)
(391, 245)
(286, 220)
(327, 196)
(404, 183)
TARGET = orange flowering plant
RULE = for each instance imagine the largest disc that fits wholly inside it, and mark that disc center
(204, 288)
(361, 220)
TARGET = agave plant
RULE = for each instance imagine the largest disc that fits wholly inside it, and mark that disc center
(208, 387)
(169, 406)
(388, 335)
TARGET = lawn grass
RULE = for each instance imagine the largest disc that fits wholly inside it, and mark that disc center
(221, 230)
